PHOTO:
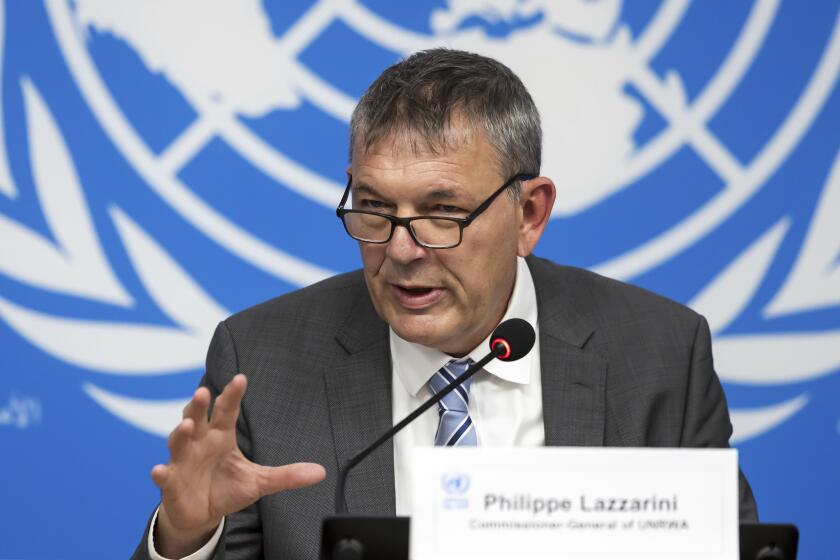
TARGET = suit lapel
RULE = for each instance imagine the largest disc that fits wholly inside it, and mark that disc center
(359, 395)
(573, 376)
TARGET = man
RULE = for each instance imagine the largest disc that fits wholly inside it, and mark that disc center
(445, 198)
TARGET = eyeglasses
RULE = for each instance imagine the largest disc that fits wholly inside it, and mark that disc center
(432, 232)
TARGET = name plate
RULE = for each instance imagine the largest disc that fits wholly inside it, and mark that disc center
(574, 503)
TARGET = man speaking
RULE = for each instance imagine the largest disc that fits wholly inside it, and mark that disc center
(445, 198)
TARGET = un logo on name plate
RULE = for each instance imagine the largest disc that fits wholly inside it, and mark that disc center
(212, 125)
(455, 487)
(455, 483)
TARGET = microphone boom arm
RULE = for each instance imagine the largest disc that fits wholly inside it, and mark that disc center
(340, 503)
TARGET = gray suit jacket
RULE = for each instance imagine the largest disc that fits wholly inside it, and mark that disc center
(620, 367)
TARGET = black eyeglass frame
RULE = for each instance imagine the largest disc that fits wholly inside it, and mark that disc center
(340, 211)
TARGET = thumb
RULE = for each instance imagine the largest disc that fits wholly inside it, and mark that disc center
(289, 477)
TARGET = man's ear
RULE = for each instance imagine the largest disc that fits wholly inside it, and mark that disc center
(535, 203)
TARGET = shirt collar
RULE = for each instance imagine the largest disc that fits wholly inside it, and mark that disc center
(414, 363)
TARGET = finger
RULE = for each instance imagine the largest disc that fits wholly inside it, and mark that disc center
(289, 477)
(196, 410)
(179, 440)
(226, 407)
(160, 476)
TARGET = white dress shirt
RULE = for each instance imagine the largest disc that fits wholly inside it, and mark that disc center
(505, 400)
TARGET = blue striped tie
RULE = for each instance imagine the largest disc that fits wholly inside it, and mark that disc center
(455, 426)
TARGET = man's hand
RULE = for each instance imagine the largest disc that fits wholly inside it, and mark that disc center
(208, 477)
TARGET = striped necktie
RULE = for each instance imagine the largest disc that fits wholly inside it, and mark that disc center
(455, 427)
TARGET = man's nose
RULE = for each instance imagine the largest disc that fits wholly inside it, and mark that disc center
(402, 248)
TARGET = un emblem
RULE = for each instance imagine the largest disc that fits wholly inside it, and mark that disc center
(455, 483)
(455, 487)
(222, 151)
(163, 164)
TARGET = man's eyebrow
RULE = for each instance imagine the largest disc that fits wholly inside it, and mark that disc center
(443, 194)
(365, 188)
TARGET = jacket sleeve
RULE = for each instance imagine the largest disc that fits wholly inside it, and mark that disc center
(241, 538)
(706, 421)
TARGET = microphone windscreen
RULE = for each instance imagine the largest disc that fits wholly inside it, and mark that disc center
(518, 335)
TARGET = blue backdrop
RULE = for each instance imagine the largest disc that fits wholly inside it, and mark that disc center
(163, 164)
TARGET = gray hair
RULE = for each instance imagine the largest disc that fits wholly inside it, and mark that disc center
(418, 97)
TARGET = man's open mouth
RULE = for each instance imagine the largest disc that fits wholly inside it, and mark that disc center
(415, 290)
(416, 297)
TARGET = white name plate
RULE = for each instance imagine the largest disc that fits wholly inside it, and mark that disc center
(574, 503)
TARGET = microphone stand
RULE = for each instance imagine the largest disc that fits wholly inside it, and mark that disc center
(343, 535)
(340, 502)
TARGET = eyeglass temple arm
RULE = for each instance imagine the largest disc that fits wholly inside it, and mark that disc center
(484, 205)
(344, 197)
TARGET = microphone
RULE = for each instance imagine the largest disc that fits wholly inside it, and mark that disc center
(516, 336)
(511, 340)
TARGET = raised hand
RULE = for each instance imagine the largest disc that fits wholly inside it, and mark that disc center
(208, 477)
